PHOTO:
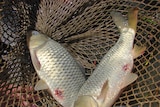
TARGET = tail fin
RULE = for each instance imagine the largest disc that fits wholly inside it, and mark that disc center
(119, 20)
(132, 18)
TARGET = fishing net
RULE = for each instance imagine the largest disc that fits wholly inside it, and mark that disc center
(87, 30)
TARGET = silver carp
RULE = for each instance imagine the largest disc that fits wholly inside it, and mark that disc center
(114, 71)
(57, 69)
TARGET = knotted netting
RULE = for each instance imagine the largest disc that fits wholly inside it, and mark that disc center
(87, 30)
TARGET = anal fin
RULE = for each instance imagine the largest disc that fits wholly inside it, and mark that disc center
(41, 85)
(138, 50)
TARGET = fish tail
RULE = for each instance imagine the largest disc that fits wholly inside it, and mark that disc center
(119, 20)
(132, 18)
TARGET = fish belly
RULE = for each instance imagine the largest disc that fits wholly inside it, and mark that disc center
(61, 73)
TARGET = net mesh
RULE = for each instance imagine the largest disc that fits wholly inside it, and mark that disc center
(87, 30)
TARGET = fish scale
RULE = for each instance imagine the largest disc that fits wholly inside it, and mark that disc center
(108, 70)
(113, 73)
(58, 69)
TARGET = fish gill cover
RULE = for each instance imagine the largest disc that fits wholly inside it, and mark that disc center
(87, 30)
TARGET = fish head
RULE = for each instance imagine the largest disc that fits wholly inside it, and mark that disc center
(36, 39)
(85, 101)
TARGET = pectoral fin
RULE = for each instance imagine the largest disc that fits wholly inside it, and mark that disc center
(41, 85)
(130, 77)
(138, 50)
(35, 60)
(103, 93)
(85, 101)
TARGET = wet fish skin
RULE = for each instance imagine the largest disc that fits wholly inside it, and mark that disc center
(114, 71)
(57, 69)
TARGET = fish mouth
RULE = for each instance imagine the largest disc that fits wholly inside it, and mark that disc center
(35, 39)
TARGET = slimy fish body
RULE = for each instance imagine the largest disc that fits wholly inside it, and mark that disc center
(114, 71)
(56, 68)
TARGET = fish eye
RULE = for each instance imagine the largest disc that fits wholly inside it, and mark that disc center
(35, 33)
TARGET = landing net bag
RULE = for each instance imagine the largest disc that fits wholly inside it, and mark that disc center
(87, 30)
